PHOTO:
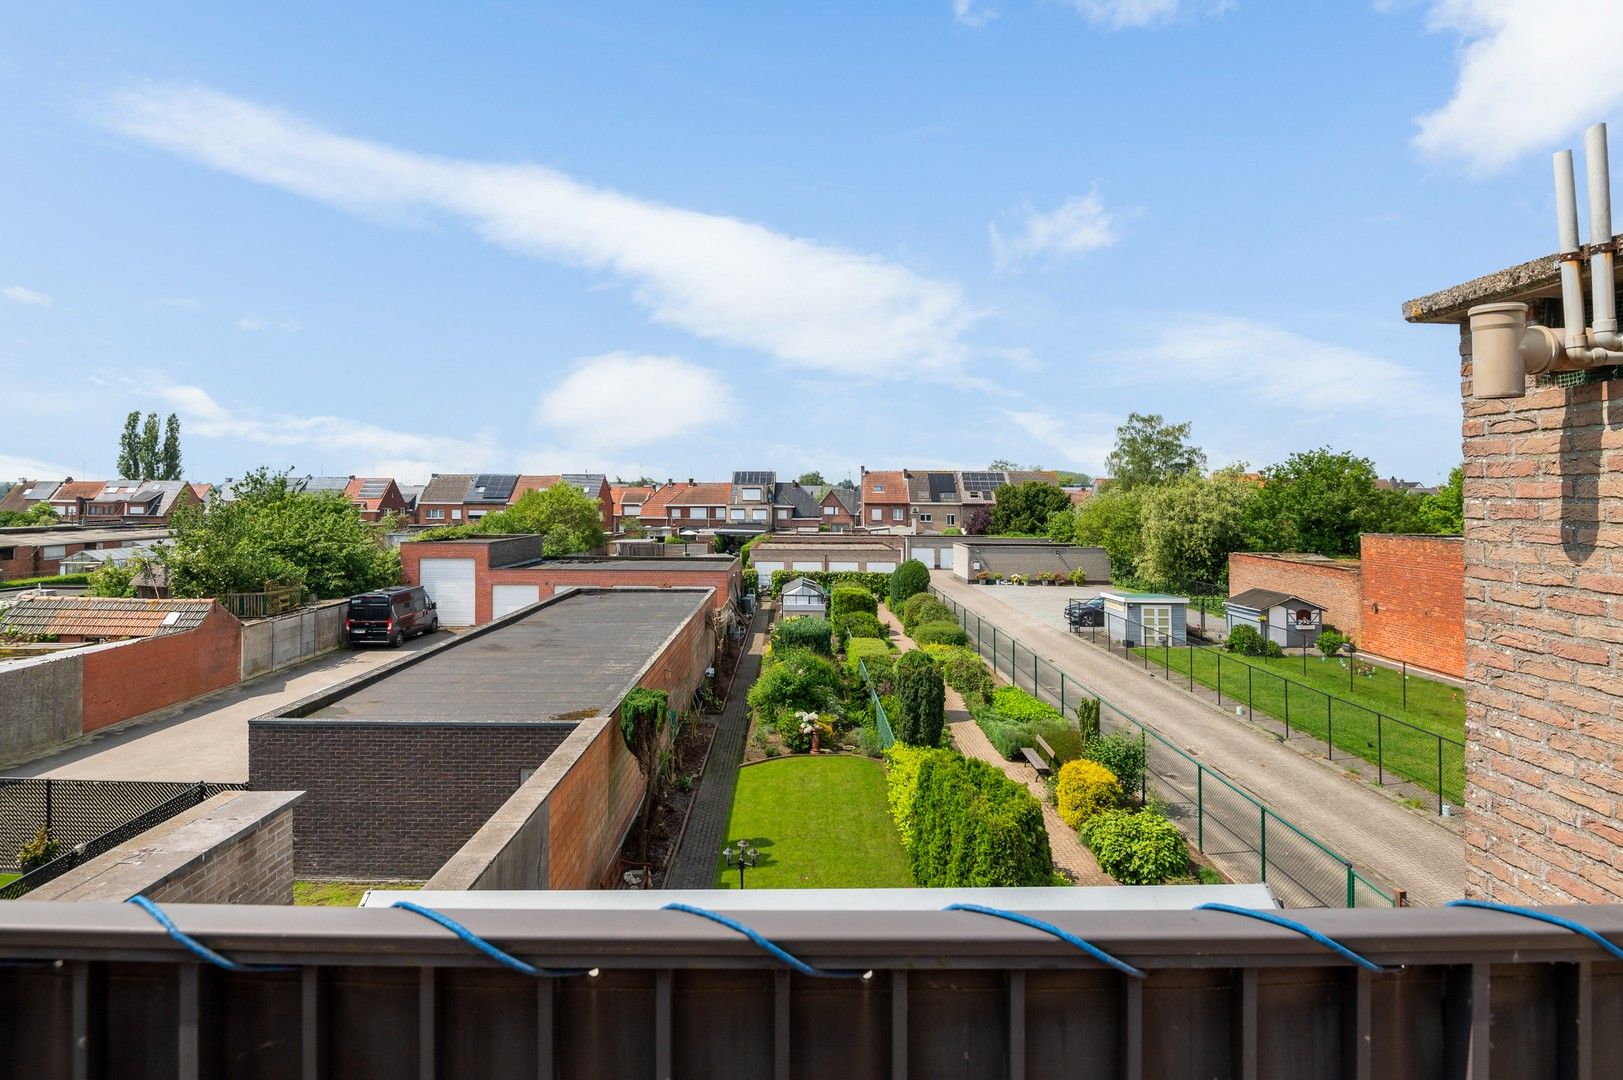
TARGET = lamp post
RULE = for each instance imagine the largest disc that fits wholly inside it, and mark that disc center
(741, 855)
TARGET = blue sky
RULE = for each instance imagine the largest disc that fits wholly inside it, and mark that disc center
(682, 239)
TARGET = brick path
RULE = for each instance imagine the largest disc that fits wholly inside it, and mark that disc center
(695, 864)
(1071, 856)
(1404, 847)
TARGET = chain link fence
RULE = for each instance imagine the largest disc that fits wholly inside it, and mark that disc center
(75, 812)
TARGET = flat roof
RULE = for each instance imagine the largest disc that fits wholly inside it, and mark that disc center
(572, 658)
(630, 562)
(1145, 598)
(78, 534)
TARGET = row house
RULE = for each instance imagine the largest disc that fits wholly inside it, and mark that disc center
(376, 497)
(459, 498)
(839, 508)
(135, 502)
(627, 500)
(40, 551)
(26, 494)
(689, 507)
(930, 501)
(885, 503)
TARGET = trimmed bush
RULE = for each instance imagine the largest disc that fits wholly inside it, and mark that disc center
(1085, 788)
(1123, 755)
(1244, 640)
(923, 697)
(876, 583)
(862, 625)
(804, 632)
(795, 679)
(879, 657)
(939, 633)
(971, 826)
(964, 671)
(922, 609)
(1087, 717)
(908, 579)
(60, 579)
(847, 599)
(1330, 641)
(902, 786)
(1137, 848)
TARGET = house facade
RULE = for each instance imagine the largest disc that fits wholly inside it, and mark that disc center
(626, 504)
(135, 502)
(39, 551)
(840, 508)
(885, 502)
(376, 497)
(25, 494)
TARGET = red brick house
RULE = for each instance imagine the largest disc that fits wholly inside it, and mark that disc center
(135, 502)
(38, 551)
(839, 507)
(885, 500)
(627, 500)
(375, 496)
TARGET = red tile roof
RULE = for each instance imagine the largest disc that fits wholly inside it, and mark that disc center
(894, 483)
(104, 617)
(703, 495)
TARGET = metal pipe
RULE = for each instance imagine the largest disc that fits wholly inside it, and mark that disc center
(1601, 284)
(1572, 284)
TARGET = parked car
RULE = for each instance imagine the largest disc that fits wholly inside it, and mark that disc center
(390, 616)
(1081, 613)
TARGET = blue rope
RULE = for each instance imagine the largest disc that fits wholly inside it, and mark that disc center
(1301, 928)
(761, 941)
(1054, 931)
(195, 946)
(485, 947)
(1542, 916)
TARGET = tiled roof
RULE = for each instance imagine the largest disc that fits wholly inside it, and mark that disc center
(370, 491)
(934, 486)
(25, 493)
(804, 504)
(446, 488)
(202, 490)
(847, 498)
(74, 490)
(104, 616)
(1021, 476)
(537, 482)
(637, 496)
(893, 483)
(655, 505)
(703, 495)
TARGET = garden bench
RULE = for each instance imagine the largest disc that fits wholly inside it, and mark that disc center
(1035, 760)
(1047, 751)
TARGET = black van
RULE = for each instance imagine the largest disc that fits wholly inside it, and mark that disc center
(390, 616)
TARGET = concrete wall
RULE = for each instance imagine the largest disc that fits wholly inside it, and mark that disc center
(1333, 584)
(235, 848)
(1028, 558)
(43, 704)
(1413, 598)
(272, 644)
(128, 678)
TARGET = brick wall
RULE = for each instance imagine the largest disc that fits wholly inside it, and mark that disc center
(129, 678)
(1413, 595)
(726, 579)
(1332, 584)
(1543, 628)
(391, 801)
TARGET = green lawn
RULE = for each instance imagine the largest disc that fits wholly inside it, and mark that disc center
(8, 876)
(338, 893)
(819, 823)
(1319, 701)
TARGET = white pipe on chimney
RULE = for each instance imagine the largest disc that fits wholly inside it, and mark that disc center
(1601, 259)
(1572, 282)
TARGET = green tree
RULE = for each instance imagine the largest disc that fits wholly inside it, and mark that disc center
(1111, 520)
(1062, 526)
(129, 447)
(568, 521)
(1065, 478)
(810, 478)
(151, 453)
(1189, 525)
(271, 533)
(848, 484)
(922, 693)
(1319, 501)
(41, 513)
(110, 579)
(1151, 451)
(1024, 509)
(169, 455)
(1444, 510)
(908, 580)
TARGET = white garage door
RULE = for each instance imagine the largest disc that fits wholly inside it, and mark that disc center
(506, 598)
(763, 573)
(842, 566)
(881, 567)
(946, 558)
(818, 565)
(925, 555)
(450, 585)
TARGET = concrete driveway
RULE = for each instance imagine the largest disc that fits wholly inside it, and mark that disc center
(206, 738)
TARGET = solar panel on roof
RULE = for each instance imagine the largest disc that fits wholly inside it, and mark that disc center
(982, 481)
(754, 477)
(374, 489)
(493, 487)
(942, 486)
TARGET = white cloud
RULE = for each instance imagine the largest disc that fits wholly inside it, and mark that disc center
(17, 468)
(1078, 225)
(972, 14)
(360, 446)
(620, 400)
(806, 303)
(1135, 14)
(25, 296)
(1530, 74)
(1083, 440)
(255, 323)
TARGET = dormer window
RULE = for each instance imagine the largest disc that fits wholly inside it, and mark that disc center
(879, 489)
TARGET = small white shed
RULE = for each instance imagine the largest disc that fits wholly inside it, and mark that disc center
(803, 596)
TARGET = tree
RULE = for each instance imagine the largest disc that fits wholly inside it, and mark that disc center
(1151, 451)
(810, 478)
(169, 456)
(270, 534)
(1444, 510)
(1188, 527)
(908, 579)
(1024, 509)
(110, 579)
(1111, 520)
(568, 521)
(1066, 478)
(1319, 501)
(848, 484)
(41, 513)
(922, 694)
(977, 521)
(150, 455)
(1001, 465)
(129, 447)
(1062, 526)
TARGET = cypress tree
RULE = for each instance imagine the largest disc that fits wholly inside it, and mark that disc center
(150, 454)
(129, 448)
(171, 449)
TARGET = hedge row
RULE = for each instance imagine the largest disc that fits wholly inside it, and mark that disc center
(60, 579)
(878, 584)
(1013, 719)
(965, 824)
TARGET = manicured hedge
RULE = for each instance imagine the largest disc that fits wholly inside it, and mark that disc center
(922, 693)
(60, 579)
(1085, 788)
(795, 679)
(1136, 848)
(804, 632)
(1018, 705)
(846, 599)
(906, 580)
(965, 824)
(876, 583)
(964, 671)
(924, 608)
(939, 633)
(878, 655)
(859, 624)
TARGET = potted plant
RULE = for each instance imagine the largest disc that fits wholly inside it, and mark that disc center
(809, 728)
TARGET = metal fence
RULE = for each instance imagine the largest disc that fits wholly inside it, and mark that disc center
(1419, 763)
(262, 605)
(886, 737)
(1237, 831)
(76, 812)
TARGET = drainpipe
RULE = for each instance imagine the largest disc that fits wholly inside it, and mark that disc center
(1601, 257)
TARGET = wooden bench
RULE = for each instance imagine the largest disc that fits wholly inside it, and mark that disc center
(1046, 750)
(1035, 760)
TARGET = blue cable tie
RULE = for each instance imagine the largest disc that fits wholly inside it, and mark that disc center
(485, 947)
(1301, 928)
(760, 940)
(1545, 917)
(195, 946)
(1049, 928)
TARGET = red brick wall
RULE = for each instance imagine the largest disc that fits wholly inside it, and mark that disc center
(1544, 628)
(1333, 585)
(135, 677)
(28, 560)
(1414, 600)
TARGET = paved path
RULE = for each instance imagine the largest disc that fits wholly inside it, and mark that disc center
(694, 866)
(1395, 844)
(1071, 856)
(206, 738)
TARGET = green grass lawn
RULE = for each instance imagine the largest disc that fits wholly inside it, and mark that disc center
(1320, 702)
(819, 823)
(8, 876)
(338, 893)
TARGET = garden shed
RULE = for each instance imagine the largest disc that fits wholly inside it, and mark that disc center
(803, 596)
(1290, 621)
(1146, 618)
